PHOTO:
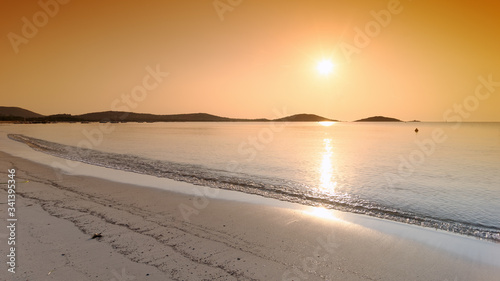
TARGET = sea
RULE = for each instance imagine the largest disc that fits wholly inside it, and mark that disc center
(444, 176)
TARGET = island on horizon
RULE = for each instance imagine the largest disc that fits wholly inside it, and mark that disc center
(378, 119)
(21, 115)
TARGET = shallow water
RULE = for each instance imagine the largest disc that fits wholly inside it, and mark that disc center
(443, 177)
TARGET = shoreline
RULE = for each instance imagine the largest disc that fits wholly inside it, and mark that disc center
(144, 230)
(69, 165)
(73, 163)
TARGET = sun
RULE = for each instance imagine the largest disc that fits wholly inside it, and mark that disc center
(325, 67)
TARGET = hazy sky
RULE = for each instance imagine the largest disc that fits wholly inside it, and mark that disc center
(404, 59)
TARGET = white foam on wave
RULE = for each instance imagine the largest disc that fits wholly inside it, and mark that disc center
(470, 248)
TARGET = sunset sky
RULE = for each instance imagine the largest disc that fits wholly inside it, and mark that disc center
(413, 60)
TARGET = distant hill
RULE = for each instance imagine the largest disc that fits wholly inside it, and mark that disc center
(19, 114)
(304, 118)
(144, 117)
(192, 117)
(379, 119)
(6, 111)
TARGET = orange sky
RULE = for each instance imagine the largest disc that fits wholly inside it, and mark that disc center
(250, 57)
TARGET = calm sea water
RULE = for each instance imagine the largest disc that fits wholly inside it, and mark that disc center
(444, 176)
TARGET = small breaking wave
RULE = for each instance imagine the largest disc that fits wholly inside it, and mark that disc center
(238, 181)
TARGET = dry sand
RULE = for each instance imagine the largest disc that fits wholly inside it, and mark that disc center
(145, 237)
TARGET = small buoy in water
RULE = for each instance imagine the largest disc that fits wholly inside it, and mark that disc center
(416, 130)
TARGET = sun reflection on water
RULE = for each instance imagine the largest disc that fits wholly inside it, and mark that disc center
(328, 183)
(321, 212)
(326, 123)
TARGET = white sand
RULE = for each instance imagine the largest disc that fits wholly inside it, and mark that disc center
(146, 237)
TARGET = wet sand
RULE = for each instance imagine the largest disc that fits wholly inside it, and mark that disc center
(153, 234)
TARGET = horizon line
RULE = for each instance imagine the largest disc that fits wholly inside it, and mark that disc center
(259, 118)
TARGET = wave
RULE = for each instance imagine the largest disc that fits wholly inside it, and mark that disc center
(239, 181)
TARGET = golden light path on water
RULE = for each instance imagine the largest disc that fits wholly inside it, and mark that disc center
(326, 123)
(327, 177)
(327, 180)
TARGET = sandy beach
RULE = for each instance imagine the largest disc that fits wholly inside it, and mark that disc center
(146, 236)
